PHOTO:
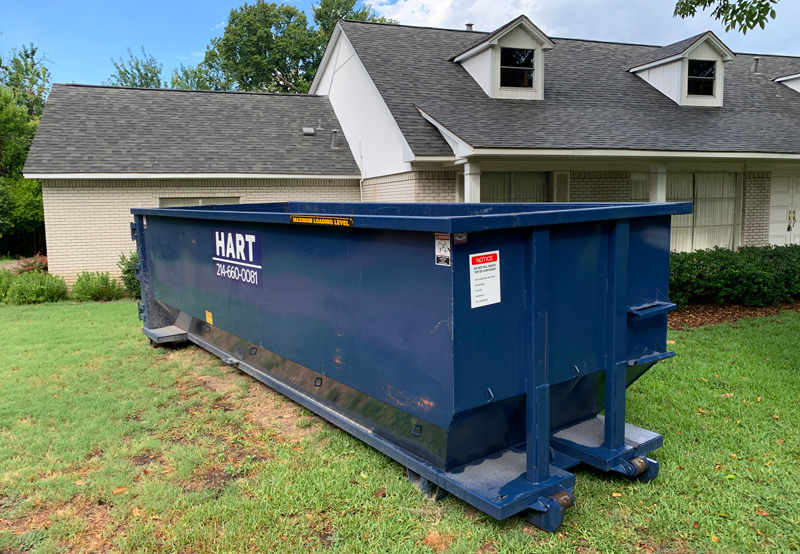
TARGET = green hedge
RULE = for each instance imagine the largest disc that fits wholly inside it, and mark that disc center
(35, 287)
(750, 276)
(96, 286)
(126, 265)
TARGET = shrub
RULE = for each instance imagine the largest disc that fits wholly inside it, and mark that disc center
(96, 286)
(37, 263)
(128, 274)
(35, 287)
(751, 276)
(5, 281)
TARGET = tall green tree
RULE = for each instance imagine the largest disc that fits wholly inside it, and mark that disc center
(144, 72)
(21, 211)
(741, 15)
(17, 128)
(266, 47)
(328, 12)
(27, 75)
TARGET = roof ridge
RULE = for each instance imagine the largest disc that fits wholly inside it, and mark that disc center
(378, 23)
(240, 92)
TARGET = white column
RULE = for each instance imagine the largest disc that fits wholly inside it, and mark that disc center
(472, 182)
(658, 183)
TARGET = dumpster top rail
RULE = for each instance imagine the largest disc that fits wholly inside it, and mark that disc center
(440, 217)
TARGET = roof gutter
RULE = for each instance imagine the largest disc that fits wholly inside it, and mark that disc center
(621, 153)
(145, 176)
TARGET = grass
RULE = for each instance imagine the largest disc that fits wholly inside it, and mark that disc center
(106, 443)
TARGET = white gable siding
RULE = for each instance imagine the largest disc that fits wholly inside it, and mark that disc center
(376, 141)
(479, 67)
(666, 79)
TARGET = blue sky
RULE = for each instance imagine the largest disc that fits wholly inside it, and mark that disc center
(80, 38)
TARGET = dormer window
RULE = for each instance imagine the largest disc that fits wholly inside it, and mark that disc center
(701, 77)
(516, 67)
(690, 72)
(509, 62)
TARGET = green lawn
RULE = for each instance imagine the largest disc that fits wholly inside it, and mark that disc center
(106, 443)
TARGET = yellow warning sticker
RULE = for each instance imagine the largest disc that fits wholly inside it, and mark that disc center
(209, 318)
(322, 220)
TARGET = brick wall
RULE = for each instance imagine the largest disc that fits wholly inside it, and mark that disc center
(411, 186)
(600, 186)
(87, 222)
(755, 208)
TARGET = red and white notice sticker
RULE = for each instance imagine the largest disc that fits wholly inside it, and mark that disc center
(484, 278)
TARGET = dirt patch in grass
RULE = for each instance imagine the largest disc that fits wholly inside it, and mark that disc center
(697, 315)
(97, 524)
(262, 405)
(146, 458)
(437, 541)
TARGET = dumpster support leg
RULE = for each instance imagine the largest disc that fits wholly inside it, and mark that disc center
(537, 388)
(616, 357)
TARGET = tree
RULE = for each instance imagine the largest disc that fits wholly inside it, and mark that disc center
(742, 15)
(17, 128)
(136, 72)
(266, 47)
(328, 12)
(203, 76)
(28, 78)
(272, 47)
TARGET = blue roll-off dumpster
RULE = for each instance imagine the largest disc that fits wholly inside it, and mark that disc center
(476, 344)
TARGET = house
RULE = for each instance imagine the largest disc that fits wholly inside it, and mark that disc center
(438, 115)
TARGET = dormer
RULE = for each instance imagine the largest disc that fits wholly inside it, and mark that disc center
(690, 72)
(509, 62)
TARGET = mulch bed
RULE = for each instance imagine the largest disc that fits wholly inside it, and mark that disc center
(711, 314)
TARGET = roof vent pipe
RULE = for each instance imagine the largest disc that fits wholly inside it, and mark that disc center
(469, 26)
(335, 139)
(319, 125)
(754, 67)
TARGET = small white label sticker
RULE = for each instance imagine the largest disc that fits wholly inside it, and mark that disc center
(442, 248)
(484, 278)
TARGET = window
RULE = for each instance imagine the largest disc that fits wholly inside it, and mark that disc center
(713, 221)
(515, 186)
(516, 68)
(701, 77)
(195, 201)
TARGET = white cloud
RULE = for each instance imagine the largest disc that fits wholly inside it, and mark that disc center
(649, 22)
(219, 25)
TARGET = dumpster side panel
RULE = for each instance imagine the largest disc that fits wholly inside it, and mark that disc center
(369, 308)
(490, 339)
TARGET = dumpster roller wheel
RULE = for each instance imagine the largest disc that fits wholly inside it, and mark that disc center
(649, 473)
(548, 513)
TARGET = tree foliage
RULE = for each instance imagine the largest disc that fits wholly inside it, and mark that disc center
(741, 15)
(144, 72)
(267, 47)
(28, 78)
(24, 86)
(328, 12)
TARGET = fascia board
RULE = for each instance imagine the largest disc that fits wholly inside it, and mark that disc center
(461, 148)
(326, 57)
(656, 63)
(114, 176)
(786, 78)
(618, 153)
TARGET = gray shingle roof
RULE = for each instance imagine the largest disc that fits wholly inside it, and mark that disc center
(93, 129)
(590, 99)
(657, 54)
